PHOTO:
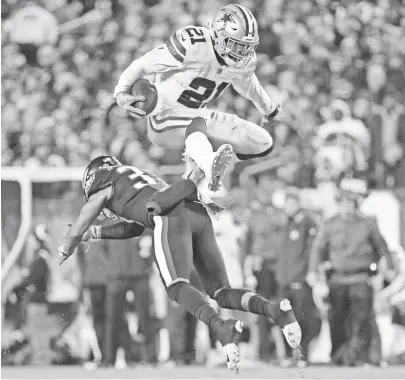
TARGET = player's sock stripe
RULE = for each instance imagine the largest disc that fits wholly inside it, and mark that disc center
(173, 51)
(245, 18)
(153, 122)
(159, 253)
(179, 46)
(170, 118)
(166, 248)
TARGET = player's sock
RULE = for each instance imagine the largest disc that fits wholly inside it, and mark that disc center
(245, 300)
(196, 303)
(244, 157)
(280, 311)
(198, 146)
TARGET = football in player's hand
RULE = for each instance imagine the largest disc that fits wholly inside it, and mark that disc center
(148, 90)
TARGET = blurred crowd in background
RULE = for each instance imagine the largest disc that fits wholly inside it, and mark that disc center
(58, 81)
(337, 67)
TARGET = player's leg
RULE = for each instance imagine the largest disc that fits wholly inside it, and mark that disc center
(175, 128)
(168, 128)
(199, 151)
(210, 265)
(174, 255)
(248, 139)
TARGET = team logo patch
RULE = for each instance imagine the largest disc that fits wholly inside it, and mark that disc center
(227, 18)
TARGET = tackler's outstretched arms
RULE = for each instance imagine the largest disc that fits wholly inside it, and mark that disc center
(87, 216)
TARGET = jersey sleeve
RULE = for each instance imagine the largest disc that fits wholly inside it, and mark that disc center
(161, 59)
(189, 44)
(178, 44)
(185, 45)
(248, 85)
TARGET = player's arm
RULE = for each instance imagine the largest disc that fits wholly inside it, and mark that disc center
(87, 216)
(121, 231)
(169, 197)
(250, 88)
(167, 57)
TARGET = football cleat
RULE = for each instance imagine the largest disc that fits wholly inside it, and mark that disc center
(229, 336)
(291, 330)
(220, 164)
(192, 171)
(293, 334)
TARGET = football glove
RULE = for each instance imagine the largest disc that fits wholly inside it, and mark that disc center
(275, 114)
(126, 102)
(63, 254)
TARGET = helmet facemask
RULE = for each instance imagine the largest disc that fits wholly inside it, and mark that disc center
(234, 52)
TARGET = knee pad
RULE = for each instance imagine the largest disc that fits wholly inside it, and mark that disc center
(261, 142)
(197, 125)
(229, 298)
(217, 293)
(174, 288)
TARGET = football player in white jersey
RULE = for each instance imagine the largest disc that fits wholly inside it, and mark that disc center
(192, 68)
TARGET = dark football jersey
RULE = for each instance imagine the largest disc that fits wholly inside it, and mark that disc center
(131, 189)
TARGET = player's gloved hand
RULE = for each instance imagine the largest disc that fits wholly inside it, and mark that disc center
(64, 254)
(275, 114)
(126, 102)
(272, 117)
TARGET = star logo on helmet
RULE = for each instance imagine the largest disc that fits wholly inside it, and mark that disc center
(227, 17)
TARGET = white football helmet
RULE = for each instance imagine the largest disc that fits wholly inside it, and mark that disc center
(235, 35)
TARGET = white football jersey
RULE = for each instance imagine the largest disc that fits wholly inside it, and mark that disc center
(187, 73)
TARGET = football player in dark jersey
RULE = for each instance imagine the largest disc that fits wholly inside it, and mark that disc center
(183, 236)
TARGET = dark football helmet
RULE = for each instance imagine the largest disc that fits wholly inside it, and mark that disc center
(96, 164)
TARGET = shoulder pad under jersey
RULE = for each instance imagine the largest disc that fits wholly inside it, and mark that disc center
(191, 43)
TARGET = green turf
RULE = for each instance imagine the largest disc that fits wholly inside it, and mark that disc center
(194, 372)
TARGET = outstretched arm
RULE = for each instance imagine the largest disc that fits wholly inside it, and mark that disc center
(88, 215)
(121, 231)
(249, 87)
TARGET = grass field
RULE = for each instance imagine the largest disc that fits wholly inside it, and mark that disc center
(194, 372)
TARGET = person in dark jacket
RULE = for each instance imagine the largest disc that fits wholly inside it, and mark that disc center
(130, 264)
(263, 244)
(34, 289)
(351, 242)
(292, 267)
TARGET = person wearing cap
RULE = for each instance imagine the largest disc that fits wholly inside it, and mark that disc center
(292, 265)
(353, 244)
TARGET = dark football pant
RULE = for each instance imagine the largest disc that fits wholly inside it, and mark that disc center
(185, 237)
